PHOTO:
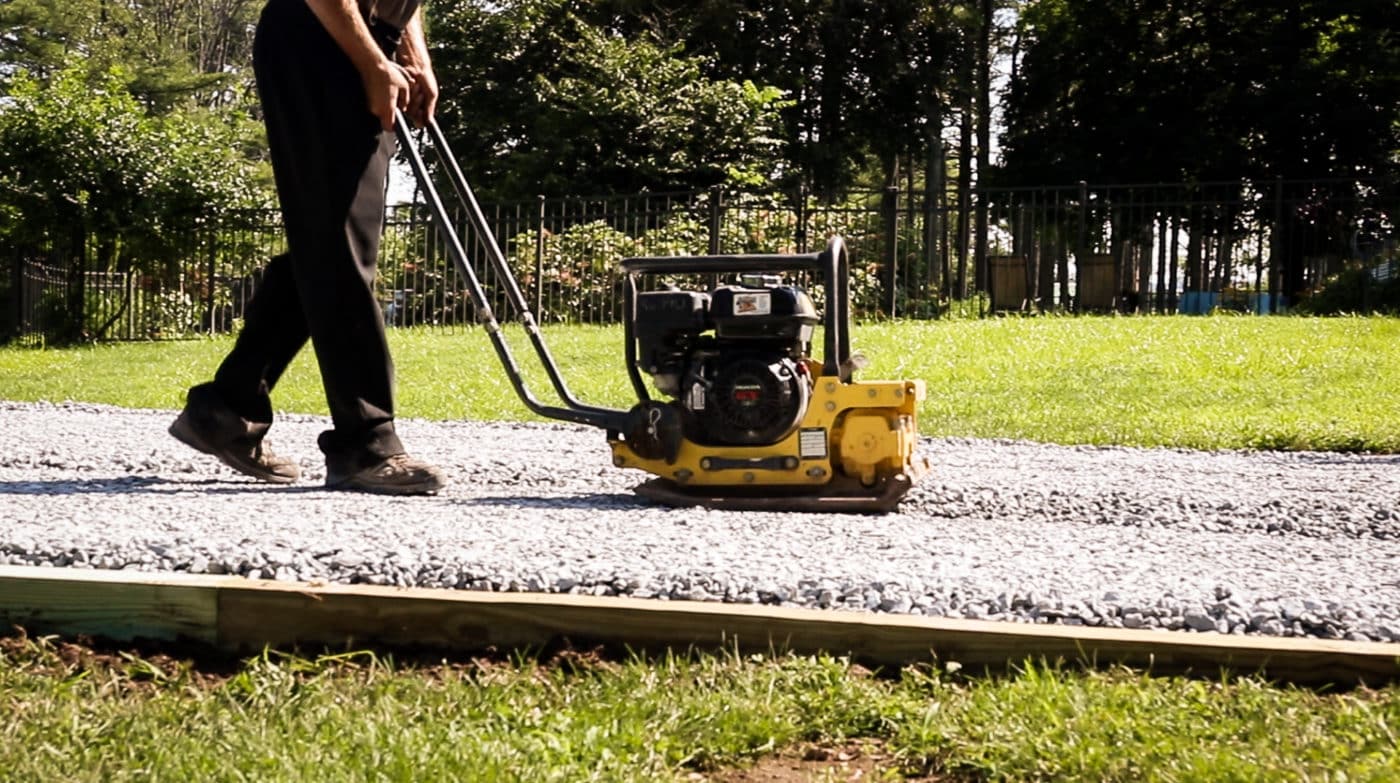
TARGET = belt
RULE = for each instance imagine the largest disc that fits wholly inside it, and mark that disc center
(384, 34)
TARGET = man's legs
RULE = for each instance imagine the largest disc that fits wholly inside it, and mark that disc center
(274, 330)
(330, 158)
(229, 416)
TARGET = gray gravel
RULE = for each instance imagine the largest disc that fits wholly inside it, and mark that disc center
(1282, 544)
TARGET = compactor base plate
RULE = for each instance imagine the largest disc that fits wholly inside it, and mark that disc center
(836, 500)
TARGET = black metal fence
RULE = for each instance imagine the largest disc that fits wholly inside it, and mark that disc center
(59, 290)
(1251, 247)
(1081, 248)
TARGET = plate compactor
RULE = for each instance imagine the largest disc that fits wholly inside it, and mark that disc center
(748, 419)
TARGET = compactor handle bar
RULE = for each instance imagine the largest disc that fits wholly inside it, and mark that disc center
(573, 410)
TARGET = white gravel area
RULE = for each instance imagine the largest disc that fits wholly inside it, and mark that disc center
(1222, 542)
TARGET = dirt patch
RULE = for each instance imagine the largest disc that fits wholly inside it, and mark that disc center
(858, 760)
(138, 664)
(141, 663)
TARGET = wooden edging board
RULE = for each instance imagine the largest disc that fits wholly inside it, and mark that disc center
(246, 615)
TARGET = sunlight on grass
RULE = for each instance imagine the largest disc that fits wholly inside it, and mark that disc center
(355, 716)
(1217, 382)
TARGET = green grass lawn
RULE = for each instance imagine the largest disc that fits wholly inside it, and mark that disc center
(1201, 382)
(1217, 382)
(356, 717)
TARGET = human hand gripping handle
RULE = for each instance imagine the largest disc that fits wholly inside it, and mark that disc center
(388, 85)
(413, 55)
(388, 88)
(423, 95)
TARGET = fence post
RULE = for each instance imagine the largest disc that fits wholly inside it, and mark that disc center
(889, 216)
(209, 281)
(539, 260)
(1276, 250)
(800, 234)
(716, 217)
(14, 320)
(1081, 240)
(929, 252)
(134, 323)
(16, 294)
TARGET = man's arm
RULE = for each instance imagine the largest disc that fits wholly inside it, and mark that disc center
(387, 86)
(413, 56)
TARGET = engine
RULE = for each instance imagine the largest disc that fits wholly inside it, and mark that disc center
(732, 360)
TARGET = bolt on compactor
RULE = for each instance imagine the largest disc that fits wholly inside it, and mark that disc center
(743, 416)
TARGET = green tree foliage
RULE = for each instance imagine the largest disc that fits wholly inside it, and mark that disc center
(538, 99)
(77, 154)
(176, 53)
(1172, 90)
(106, 124)
(125, 127)
(1301, 99)
(870, 79)
(91, 179)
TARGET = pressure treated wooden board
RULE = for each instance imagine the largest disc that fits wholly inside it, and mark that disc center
(245, 615)
(120, 605)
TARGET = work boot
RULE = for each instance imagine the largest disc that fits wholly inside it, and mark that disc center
(216, 430)
(396, 475)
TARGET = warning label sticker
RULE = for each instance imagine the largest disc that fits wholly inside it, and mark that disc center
(811, 443)
(756, 303)
(697, 397)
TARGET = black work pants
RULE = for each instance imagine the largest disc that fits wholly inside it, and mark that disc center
(330, 159)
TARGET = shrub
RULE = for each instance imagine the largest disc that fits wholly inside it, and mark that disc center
(1356, 290)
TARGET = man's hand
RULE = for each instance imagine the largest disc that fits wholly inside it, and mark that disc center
(387, 87)
(413, 54)
(423, 96)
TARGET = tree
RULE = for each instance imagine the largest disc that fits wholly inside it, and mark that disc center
(868, 79)
(864, 80)
(89, 172)
(539, 100)
(1172, 90)
(1207, 92)
(176, 53)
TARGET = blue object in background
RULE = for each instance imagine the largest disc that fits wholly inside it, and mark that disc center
(1198, 302)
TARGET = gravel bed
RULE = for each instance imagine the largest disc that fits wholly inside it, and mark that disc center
(1280, 544)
